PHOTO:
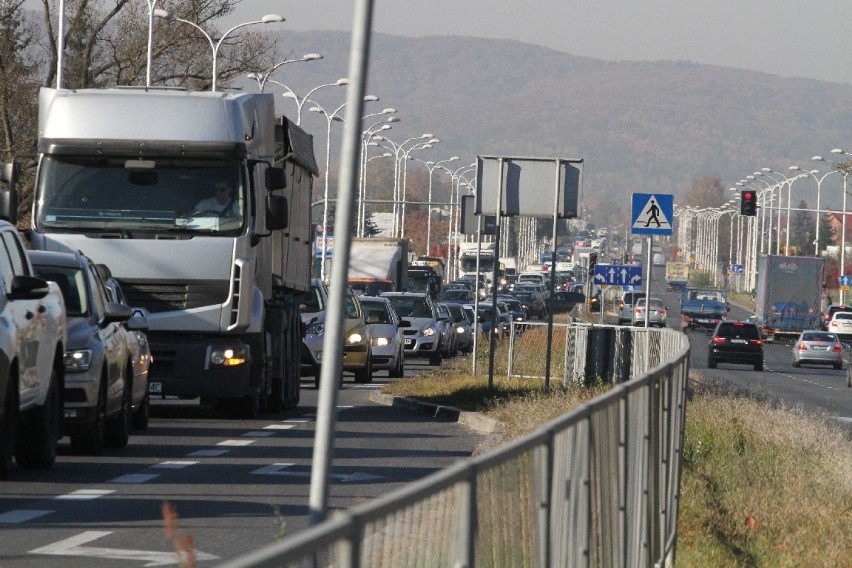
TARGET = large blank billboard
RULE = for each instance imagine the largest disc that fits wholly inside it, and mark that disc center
(531, 187)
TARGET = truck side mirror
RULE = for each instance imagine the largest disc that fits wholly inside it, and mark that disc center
(275, 179)
(9, 196)
(277, 216)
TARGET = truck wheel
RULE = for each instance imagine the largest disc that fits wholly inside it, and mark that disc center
(8, 429)
(365, 375)
(36, 446)
(91, 441)
(118, 426)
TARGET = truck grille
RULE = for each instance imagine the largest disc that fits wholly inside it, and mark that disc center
(169, 296)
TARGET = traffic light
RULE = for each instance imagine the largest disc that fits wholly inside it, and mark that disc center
(748, 203)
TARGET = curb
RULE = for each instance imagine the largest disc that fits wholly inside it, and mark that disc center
(472, 420)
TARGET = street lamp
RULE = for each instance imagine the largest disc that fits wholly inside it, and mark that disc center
(455, 182)
(300, 102)
(843, 169)
(262, 76)
(267, 19)
(330, 117)
(813, 173)
(431, 165)
(152, 4)
(378, 126)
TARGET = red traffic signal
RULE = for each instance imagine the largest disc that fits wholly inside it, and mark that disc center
(748, 203)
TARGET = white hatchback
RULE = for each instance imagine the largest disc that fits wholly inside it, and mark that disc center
(841, 324)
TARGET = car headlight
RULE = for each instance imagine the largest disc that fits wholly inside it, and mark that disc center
(428, 331)
(226, 356)
(380, 341)
(315, 328)
(459, 329)
(78, 360)
(354, 338)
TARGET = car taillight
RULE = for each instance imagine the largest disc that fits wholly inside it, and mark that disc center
(720, 340)
(803, 347)
(837, 348)
(662, 312)
(834, 324)
(687, 319)
(756, 342)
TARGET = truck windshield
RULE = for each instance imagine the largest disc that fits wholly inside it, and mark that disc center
(125, 195)
(468, 264)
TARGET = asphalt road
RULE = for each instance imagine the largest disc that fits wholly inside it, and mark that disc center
(236, 485)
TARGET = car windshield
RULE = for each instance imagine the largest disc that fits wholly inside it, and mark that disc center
(655, 303)
(408, 307)
(818, 336)
(377, 310)
(843, 316)
(123, 195)
(524, 297)
(738, 331)
(72, 283)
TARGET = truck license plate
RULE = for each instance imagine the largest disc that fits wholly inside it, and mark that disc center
(155, 388)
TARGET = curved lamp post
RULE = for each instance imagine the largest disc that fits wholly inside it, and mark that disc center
(431, 165)
(267, 19)
(262, 76)
(377, 126)
(818, 180)
(300, 102)
(455, 178)
(329, 117)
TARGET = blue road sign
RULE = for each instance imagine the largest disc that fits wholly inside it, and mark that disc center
(652, 214)
(845, 280)
(617, 275)
(736, 268)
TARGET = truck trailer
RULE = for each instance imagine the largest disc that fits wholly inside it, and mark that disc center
(124, 176)
(378, 264)
(788, 294)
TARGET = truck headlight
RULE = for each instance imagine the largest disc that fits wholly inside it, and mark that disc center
(228, 356)
(459, 330)
(78, 360)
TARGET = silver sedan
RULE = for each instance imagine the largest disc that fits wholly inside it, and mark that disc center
(818, 347)
(386, 335)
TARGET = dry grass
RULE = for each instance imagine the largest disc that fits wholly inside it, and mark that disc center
(762, 485)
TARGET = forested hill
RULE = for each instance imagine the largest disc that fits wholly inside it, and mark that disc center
(640, 126)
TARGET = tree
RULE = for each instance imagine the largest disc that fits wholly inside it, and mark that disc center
(18, 91)
(706, 191)
(802, 229)
(370, 228)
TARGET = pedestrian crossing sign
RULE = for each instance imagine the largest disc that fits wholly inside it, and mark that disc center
(653, 214)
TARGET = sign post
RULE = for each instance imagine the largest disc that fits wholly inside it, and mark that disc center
(652, 214)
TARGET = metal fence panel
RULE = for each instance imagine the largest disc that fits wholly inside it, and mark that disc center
(598, 486)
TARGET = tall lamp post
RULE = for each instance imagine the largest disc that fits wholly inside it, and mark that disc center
(267, 19)
(455, 177)
(843, 168)
(329, 117)
(262, 76)
(300, 102)
(152, 4)
(818, 180)
(431, 165)
(368, 132)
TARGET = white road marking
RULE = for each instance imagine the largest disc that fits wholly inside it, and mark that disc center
(174, 464)
(135, 478)
(279, 427)
(86, 494)
(283, 469)
(22, 516)
(236, 443)
(73, 547)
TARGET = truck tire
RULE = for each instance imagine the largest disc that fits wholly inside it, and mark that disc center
(91, 440)
(35, 447)
(118, 426)
(8, 429)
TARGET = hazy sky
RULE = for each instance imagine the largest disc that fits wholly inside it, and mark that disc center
(791, 38)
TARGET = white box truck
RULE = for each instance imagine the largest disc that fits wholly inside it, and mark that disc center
(134, 178)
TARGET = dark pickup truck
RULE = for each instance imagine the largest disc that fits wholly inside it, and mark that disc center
(703, 308)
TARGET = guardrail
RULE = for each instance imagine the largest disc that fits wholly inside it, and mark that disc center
(598, 486)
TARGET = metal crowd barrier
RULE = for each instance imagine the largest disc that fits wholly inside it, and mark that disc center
(598, 486)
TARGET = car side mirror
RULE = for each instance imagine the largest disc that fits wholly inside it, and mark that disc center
(404, 323)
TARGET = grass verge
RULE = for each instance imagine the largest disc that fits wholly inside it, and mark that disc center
(761, 486)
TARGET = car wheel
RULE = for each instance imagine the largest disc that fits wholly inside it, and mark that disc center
(143, 413)
(838, 366)
(397, 371)
(759, 365)
(91, 440)
(8, 428)
(35, 447)
(118, 426)
(365, 375)
(711, 362)
(797, 364)
(436, 360)
(317, 372)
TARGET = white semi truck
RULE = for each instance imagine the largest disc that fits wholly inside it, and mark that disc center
(122, 174)
(468, 254)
